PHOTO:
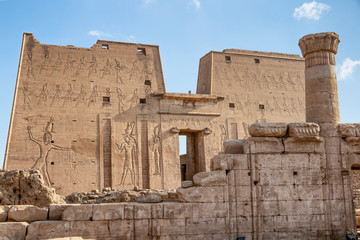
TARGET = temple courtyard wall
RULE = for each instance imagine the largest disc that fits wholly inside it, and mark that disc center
(286, 181)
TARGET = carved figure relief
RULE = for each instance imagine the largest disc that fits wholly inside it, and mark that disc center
(45, 63)
(134, 71)
(156, 141)
(45, 146)
(266, 82)
(290, 82)
(129, 147)
(69, 95)
(80, 67)
(57, 95)
(69, 64)
(81, 98)
(93, 66)
(119, 72)
(246, 129)
(121, 97)
(146, 69)
(94, 94)
(299, 82)
(106, 70)
(43, 94)
(107, 92)
(29, 71)
(58, 64)
(246, 77)
(224, 136)
(27, 100)
(135, 98)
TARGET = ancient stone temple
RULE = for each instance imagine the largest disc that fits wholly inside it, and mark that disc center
(99, 117)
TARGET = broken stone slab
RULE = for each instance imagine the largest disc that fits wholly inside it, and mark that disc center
(150, 196)
(66, 238)
(13, 230)
(201, 194)
(4, 210)
(222, 162)
(207, 179)
(27, 213)
(234, 146)
(306, 130)
(268, 129)
(78, 213)
(349, 129)
(186, 184)
(263, 145)
(56, 210)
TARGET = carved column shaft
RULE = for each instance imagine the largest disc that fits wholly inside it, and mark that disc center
(322, 104)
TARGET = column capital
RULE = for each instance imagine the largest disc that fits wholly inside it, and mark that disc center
(319, 48)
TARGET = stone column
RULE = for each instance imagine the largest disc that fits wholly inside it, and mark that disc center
(322, 104)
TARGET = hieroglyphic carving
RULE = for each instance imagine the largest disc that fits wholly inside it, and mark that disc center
(156, 141)
(106, 70)
(290, 82)
(146, 69)
(29, 70)
(45, 63)
(94, 94)
(27, 100)
(246, 129)
(299, 82)
(43, 94)
(107, 92)
(57, 95)
(119, 74)
(246, 77)
(81, 98)
(93, 66)
(134, 71)
(46, 144)
(58, 64)
(129, 147)
(224, 136)
(69, 95)
(121, 97)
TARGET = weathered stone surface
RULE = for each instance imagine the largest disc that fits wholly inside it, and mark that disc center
(213, 178)
(27, 213)
(304, 130)
(108, 211)
(201, 194)
(186, 184)
(268, 129)
(349, 129)
(222, 162)
(66, 238)
(263, 145)
(78, 213)
(48, 229)
(298, 145)
(234, 146)
(26, 187)
(13, 230)
(90, 229)
(4, 213)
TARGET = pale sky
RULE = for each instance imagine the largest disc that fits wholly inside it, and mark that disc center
(185, 30)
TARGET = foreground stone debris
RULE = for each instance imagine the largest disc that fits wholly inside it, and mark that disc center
(26, 187)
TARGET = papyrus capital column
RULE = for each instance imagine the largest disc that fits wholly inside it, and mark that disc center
(322, 104)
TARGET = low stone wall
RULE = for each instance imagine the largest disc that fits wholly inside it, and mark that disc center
(287, 181)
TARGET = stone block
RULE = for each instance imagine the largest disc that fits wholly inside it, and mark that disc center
(242, 177)
(142, 211)
(121, 229)
(306, 130)
(240, 162)
(56, 210)
(172, 227)
(222, 162)
(78, 213)
(207, 179)
(66, 238)
(201, 194)
(90, 229)
(243, 193)
(48, 229)
(234, 146)
(142, 229)
(353, 144)
(177, 210)
(128, 211)
(13, 230)
(295, 161)
(269, 161)
(296, 145)
(4, 210)
(108, 211)
(149, 197)
(205, 225)
(268, 129)
(157, 211)
(209, 210)
(186, 184)
(263, 145)
(349, 130)
(27, 213)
